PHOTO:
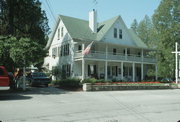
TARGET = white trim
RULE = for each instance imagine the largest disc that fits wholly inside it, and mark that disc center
(106, 65)
(142, 71)
(133, 71)
(122, 71)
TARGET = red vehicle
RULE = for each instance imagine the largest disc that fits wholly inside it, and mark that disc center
(4, 78)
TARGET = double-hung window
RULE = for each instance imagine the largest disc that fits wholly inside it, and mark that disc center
(115, 32)
(120, 34)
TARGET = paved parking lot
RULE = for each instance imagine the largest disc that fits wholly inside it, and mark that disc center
(55, 105)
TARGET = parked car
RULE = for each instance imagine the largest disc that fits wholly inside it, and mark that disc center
(4, 78)
(39, 78)
(167, 80)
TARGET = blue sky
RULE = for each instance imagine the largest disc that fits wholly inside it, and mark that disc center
(127, 9)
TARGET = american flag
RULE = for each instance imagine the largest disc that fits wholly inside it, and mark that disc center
(88, 49)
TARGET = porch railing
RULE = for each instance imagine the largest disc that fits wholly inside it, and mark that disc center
(114, 56)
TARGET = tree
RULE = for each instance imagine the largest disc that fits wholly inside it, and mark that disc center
(144, 30)
(57, 72)
(134, 25)
(22, 25)
(166, 20)
(13, 52)
(26, 50)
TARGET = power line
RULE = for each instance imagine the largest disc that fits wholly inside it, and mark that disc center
(51, 12)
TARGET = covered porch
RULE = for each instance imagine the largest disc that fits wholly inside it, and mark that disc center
(111, 70)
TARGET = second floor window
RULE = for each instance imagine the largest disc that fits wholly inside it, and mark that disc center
(58, 33)
(79, 47)
(62, 32)
(120, 34)
(114, 51)
(115, 32)
(128, 52)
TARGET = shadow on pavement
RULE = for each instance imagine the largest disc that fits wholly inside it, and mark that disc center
(44, 91)
(9, 95)
(23, 95)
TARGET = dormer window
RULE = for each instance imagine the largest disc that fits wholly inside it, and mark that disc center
(120, 34)
(62, 32)
(115, 32)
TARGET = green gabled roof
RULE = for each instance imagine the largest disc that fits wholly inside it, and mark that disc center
(138, 42)
(79, 29)
(105, 26)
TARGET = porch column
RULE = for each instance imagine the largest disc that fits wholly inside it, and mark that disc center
(142, 55)
(106, 70)
(156, 66)
(122, 71)
(83, 63)
(106, 52)
(133, 65)
(126, 53)
(142, 71)
(106, 63)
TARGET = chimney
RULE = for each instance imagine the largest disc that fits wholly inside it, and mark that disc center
(93, 21)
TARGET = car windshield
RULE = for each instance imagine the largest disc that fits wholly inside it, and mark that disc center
(39, 74)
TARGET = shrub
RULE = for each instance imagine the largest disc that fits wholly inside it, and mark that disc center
(114, 80)
(93, 80)
(90, 80)
(56, 71)
(55, 82)
(70, 83)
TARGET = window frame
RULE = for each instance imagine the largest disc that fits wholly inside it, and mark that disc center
(62, 31)
(58, 34)
(120, 33)
(115, 32)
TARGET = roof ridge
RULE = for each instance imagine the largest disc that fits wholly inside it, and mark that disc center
(116, 17)
(72, 17)
(109, 23)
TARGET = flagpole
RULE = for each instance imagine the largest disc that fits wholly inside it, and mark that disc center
(83, 63)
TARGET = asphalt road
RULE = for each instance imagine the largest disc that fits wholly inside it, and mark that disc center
(55, 105)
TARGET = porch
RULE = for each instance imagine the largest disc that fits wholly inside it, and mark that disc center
(111, 70)
(111, 52)
(97, 55)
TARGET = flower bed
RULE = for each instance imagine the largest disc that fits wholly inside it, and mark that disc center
(127, 83)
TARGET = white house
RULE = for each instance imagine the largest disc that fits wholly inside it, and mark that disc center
(116, 53)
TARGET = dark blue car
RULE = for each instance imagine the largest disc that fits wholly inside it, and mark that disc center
(39, 78)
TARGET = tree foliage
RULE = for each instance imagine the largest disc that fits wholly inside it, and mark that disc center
(134, 26)
(23, 31)
(161, 33)
(166, 20)
(144, 29)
